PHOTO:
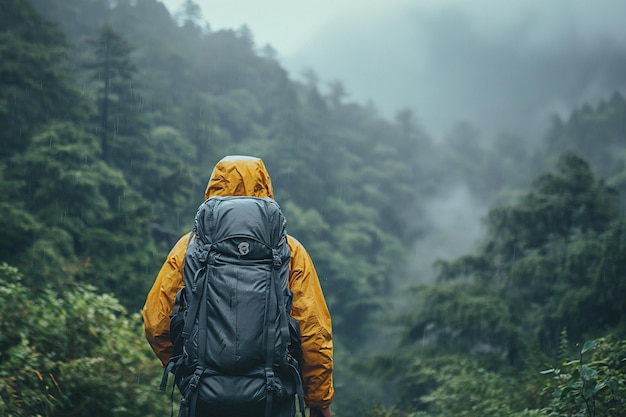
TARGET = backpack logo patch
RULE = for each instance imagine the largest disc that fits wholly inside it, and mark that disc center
(244, 248)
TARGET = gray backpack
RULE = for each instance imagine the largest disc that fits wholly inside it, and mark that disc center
(236, 345)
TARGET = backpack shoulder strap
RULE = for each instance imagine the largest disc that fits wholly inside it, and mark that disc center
(196, 297)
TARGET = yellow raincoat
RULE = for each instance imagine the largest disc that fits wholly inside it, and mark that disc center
(242, 175)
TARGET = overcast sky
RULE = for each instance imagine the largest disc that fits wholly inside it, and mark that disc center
(287, 25)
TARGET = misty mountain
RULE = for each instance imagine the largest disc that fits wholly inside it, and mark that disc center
(500, 67)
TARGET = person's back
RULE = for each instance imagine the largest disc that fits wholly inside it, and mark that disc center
(246, 176)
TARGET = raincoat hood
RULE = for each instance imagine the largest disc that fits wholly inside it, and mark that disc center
(239, 175)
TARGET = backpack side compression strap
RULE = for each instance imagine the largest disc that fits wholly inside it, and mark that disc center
(198, 305)
(272, 314)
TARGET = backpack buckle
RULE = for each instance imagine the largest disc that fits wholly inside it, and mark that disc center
(195, 379)
(270, 381)
(277, 261)
(203, 253)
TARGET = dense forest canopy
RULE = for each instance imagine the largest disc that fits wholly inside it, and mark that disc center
(112, 115)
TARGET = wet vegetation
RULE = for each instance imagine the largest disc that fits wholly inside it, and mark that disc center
(112, 115)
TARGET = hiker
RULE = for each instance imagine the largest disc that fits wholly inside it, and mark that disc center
(247, 176)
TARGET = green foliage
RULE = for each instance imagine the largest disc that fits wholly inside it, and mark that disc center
(34, 86)
(593, 385)
(597, 133)
(545, 272)
(168, 180)
(72, 352)
(86, 216)
(546, 254)
(465, 389)
(464, 317)
(154, 161)
(444, 385)
(380, 411)
(15, 221)
(120, 126)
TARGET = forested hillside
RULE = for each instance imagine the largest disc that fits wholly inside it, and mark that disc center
(112, 115)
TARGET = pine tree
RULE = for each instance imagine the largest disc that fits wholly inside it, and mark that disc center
(113, 71)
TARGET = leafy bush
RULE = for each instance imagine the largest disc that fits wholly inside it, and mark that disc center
(593, 385)
(72, 352)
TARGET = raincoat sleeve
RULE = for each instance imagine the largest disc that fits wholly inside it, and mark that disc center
(160, 301)
(310, 311)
